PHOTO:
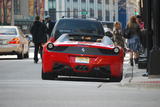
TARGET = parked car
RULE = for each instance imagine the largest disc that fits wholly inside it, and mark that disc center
(30, 39)
(80, 48)
(108, 24)
(13, 42)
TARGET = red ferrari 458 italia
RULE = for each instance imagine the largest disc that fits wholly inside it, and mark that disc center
(79, 48)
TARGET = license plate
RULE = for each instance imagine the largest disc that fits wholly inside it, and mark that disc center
(4, 46)
(82, 60)
(3, 42)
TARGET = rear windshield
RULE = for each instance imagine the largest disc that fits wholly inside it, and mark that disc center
(78, 27)
(8, 31)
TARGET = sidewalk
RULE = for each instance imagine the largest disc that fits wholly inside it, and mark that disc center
(136, 78)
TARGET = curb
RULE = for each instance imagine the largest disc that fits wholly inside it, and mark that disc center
(142, 85)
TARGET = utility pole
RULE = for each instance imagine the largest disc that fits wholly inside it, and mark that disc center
(12, 16)
(4, 12)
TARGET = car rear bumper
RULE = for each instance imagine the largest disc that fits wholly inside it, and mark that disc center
(81, 70)
(10, 49)
(99, 66)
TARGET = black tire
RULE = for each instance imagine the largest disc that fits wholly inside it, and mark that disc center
(20, 56)
(116, 79)
(26, 55)
(48, 76)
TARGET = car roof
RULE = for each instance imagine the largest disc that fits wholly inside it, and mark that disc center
(78, 19)
(8, 27)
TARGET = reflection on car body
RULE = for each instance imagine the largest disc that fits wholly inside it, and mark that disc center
(13, 42)
(83, 51)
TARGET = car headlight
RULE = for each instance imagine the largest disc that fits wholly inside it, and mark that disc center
(50, 46)
(116, 50)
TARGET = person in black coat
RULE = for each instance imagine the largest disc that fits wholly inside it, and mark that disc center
(38, 31)
(50, 25)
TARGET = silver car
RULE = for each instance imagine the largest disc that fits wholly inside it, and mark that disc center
(13, 42)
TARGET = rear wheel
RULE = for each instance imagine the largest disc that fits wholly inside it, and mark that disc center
(48, 75)
(26, 55)
(20, 56)
(116, 79)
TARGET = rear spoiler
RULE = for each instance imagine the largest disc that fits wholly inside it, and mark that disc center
(84, 37)
(79, 37)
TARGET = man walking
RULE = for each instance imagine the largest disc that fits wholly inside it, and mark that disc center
(50, 25)
(38, 31)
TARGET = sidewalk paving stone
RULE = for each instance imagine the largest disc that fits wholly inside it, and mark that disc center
(133, 77)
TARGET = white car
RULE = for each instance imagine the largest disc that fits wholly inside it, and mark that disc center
(13, 42)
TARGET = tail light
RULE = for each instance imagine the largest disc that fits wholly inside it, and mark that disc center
(50, 46)
(15, 41)
(52, 39)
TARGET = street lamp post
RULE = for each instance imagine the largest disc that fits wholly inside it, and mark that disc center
(154, 59)
(12, 12)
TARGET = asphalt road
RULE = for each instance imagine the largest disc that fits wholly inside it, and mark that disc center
(21, 86)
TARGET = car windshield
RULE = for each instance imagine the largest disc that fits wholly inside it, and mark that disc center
(107, 25)
(8, 31)
(79, 26)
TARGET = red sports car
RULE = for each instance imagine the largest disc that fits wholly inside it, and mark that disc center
(81, 51)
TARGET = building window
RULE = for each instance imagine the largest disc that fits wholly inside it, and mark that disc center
(99, 14)
(107, 15)
(107, 1)
(68, 12)
(75, 0)
(83, 1)
(75, 13)
(67, 0)
(84, 16)
(91, 1)
(52, 4)
(114, 15)
(114, 2)
(99, 1)
(91, 12)
(17, 7)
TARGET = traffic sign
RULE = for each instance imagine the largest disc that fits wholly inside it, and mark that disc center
(84, 12)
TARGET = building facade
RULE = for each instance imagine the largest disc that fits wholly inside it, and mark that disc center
(104, 10)
(132, 8)
(122, 12)
(25, 12)
(126, 9)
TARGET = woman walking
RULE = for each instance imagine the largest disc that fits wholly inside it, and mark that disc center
(117, 34)
(134, 40)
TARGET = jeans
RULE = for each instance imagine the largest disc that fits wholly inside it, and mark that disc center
(37, 48)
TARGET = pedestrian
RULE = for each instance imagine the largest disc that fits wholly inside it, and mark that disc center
(50, 25)
(38, 31)
(142, 35)
(133, 42)
(140, 22)
(117, 35)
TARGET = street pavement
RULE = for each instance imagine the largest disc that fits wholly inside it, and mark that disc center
(133, 77)
(21, 86)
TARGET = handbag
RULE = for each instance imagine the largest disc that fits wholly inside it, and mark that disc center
(127, 33)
